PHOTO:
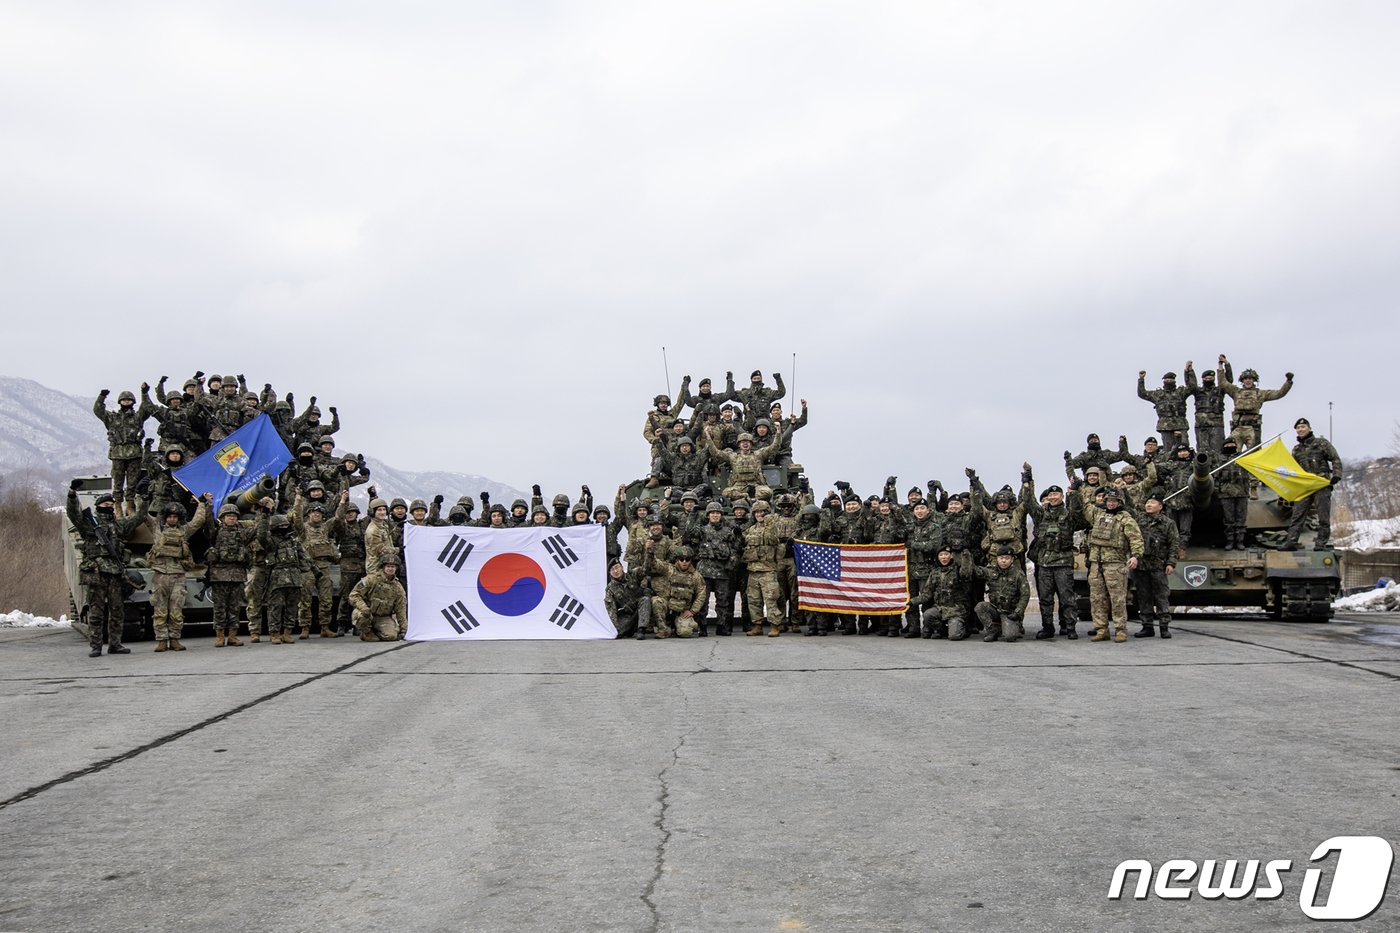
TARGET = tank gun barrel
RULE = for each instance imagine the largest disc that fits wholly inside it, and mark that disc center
(247, 500)
(1202, 483)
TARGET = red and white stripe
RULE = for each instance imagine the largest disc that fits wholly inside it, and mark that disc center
(874, 580)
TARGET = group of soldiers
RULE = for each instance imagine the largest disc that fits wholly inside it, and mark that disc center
(719, 534)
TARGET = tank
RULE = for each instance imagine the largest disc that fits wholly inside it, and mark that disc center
(1294, 585)
(199, 607)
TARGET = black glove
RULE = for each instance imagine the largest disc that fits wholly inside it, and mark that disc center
(536, 489)
(142, 487)
(586, 490)
(1075, 484)
(485, 498)
(842, 485)
(1026, 476)
(360, 459)
(1288, 376)
(267, 387)
(437, 499)
(145, 387)
(75, 485)
(1068, 456)
(777, 377)
(313, 401)
(150, 442)
(891, 480)
(333, 411)
(199, 374)
(803, 483)
(1336, 480)
(104, 393)
(1015, 616)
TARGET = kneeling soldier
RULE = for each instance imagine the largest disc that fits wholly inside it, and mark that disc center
(1004, 608)
(380, 612)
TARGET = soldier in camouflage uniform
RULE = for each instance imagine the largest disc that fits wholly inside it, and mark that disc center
(1170, 402)
(745, 465)
(125, 431)
(307, 427)
(102, 567)
(706, 400)
(785, 430)
(758, 398)
(1052, 550)
(1114, 546)
(344, 474)
(172, 417)
(228, 558)
(165, 489)
(1174, 479)
(380, 603)
(1232, 491)
(1005, 520)
(1003, 609)
(679, 595)
(850, 525)
(924, 538)
(1315, 455)
(169, 558)
(256, 591)
(738, 571)
(1159, 550)
(654, 430)
(687, 466)
(763, 547)
(349, 540)
(1136, 487)
(317, 535)
(287, 566)
(1210, 404)
(945, 591)
(1246, 421)
(228, 413)
(627, 605)
(1095, 455)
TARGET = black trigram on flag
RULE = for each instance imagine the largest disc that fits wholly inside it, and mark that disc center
(459, 617)
(454, 555)
(559, 549)
(568, 612)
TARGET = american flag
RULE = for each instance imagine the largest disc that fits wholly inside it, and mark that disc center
(871, 579)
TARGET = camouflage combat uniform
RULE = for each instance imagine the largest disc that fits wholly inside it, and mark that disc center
(762, 551)
(944, 590)
(1246, 420)
(287, 566)
(1160, 542)
(1052, 550)
(1112, 538)
(349, 538)
(229, 557)
(1210, 406)
(627, 605)
(380, 607)
(1003, 609)
(101, 571)
(679, 601)
(1315, 455)
(757, 398)
(169, 559)
(318, 537)
(1170, 402)
(124, 436)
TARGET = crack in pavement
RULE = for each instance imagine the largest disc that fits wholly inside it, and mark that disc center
(1354, 665)
(663, 800)
(106, 763)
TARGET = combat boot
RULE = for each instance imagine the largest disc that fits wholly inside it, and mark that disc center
(813, 629)
(374, 636)
(163, 645)
(218, 639)
(233, 639)
(1147, 631)
(327, 632)
(775, 630)
(96, 651)
(755, 628)
(1121, 635)
(1166, 632)
(118, 648)
(175, 645)
(1070, 633)
(703, 631)
(661, 632)
(1047, 630)
(1100, 635)
(990, 635)
(305, 632)
(253, 637)
(723, 628)
(848, 627)
(912, 631)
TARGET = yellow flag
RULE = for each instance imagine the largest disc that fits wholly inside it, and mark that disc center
(1277, 469)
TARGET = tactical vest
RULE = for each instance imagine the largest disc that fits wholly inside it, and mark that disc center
(285, 561)
(230, 546)
(318, 543)
(170, 552)
(1001, 528)
(746, 469)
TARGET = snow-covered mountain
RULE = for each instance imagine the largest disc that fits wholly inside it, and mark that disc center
(48, 437)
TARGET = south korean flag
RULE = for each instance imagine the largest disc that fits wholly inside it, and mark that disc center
(532, 582)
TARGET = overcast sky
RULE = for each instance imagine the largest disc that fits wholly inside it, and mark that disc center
(473, 226)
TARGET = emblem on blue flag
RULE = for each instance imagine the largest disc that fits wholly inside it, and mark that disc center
(232, 458)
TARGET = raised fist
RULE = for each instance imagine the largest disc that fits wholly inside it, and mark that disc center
(842, 485)
(199, 374)
(1026, 467)
(1068, 456)
(104, 393)
(267, 387)
(1142, 374)
(777, 377)
(485, 497)
(150, 442)
(1288, 376)
(586, 491)
(1222, 359)
(373, 492)
(729, 374)
(313, 400)
(332, 410)
(74, 485)
(145, 387)
(241, 380)
(437, 499)
(1189, 366)
(970, 472)
(536, 489)
(891, 480)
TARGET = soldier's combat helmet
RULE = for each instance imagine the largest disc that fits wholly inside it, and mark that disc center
(746, 436)
(738, 504)
(228, 508)
(377, 504)
(761, 506)
(279, 524)
(126, 395)
(497, 507)
(398, 503)
(316, 507)
(387, 558)
(1250, 374)
(714, 507)
(306, 446)
(602, 510)
(661, 399)
(1004, 495)
(173, 508)
(315, 486)
(172, 397)
(540, 510)
(683, 553)
(690, 494)
(560, 501)
(811, 509)
(417, 504)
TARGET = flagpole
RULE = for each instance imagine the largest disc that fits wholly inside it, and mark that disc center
(667, 367)
(1227, 463)
(794, 387)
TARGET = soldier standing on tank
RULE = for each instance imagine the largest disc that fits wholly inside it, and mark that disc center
(785, 430)
(102, 566)
(307, 427)
(1175, 479)
(1003, 610)
(1210, 404)
(1159, 549)
(1095, 455)
(345, 474)
(1232, 490)
(165, 488)
(380, 603)
(228, 558)
(1170, 402)
(169, 558)
(1052, 549)
(706, 400)
(125, 432)
(1246, 421)
(745, 465)
(945, 591)
(1316, 455)
(654, 430)
(1114, 545)
(757, 397)
(173, 419)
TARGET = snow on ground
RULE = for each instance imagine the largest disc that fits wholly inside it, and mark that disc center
(20, 619)
(1368, 533)
(1378, 600)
